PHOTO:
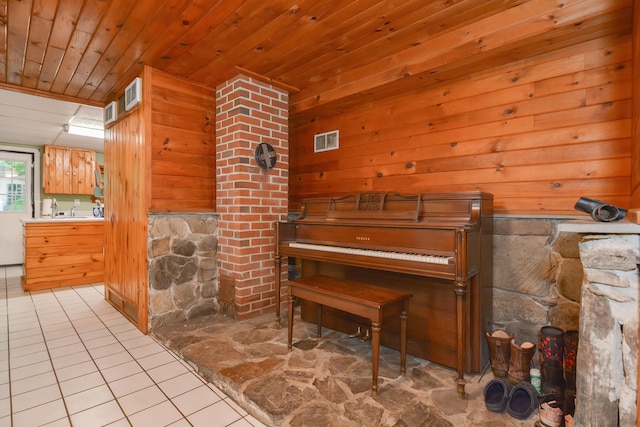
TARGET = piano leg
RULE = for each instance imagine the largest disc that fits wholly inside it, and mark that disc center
(461, 291)
(319, 334)
(278, 261)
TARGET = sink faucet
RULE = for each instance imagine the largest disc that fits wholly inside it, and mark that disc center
(73, 212)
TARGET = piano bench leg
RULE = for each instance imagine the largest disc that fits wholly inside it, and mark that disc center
(460, 383)
(290, 322)
(403, 339)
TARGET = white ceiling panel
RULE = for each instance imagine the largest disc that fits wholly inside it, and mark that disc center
(31, 120)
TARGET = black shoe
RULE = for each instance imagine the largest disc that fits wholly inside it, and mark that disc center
(523, 400)
(496, 394)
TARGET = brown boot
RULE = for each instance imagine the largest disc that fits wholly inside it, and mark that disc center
(520, 361)
(499, 350)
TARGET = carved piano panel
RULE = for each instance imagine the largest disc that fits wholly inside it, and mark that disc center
(436, 246)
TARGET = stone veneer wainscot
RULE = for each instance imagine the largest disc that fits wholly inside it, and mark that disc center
(607, 359)
(183, 276)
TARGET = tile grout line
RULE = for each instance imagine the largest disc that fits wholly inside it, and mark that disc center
(190, 369)
(175, 358)
(126, 416)
(128, 352)
(6, 307)
(55, 373)
(54, 303)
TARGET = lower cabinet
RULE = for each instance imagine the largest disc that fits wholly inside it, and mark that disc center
(62, 253)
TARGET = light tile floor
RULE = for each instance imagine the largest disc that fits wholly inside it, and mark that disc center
(67, 357)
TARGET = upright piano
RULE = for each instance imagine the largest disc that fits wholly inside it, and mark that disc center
(437, 246)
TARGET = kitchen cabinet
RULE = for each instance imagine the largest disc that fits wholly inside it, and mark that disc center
(62, 252)
(68, 170)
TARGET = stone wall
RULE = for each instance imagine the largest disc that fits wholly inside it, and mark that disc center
(183, 276)
(548, 273)
(537, 276)
(607, 360)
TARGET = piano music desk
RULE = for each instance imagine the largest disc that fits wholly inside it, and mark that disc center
(371, 302)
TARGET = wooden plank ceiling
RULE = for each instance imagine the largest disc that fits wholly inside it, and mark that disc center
(332, 52)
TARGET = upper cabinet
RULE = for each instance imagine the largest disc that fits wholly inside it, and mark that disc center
(68, 170)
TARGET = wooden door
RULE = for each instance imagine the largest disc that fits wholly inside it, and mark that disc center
(16, 195)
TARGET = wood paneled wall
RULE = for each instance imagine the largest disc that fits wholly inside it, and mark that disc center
(635, 171)
(183, 174)
(126, 196)
(538, 134)
(159, 157)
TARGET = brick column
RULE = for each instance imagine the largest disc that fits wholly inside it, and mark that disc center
(249, 199)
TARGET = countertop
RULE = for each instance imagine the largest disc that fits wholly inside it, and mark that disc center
(62, 219)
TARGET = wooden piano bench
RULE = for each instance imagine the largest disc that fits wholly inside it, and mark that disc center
(371, 302)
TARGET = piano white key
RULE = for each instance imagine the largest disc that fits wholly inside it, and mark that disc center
(429, 259)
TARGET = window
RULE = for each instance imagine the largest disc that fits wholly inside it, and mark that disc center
(12, 186)
(326, 141)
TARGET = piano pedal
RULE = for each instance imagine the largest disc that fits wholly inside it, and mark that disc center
(358, 333)
(366, 337)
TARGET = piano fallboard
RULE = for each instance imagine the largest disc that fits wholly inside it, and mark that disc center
(408, 239)
(444, 271)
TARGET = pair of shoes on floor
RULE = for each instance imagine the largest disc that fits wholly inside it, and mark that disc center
(520, 400)
(550, 412)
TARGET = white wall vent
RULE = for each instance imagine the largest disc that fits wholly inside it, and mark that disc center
(133, 94)
(326, 141)
(110, 112)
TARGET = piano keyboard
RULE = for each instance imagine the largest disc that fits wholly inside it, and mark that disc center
(429, 259)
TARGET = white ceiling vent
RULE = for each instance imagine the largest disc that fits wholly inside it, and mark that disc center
(110, 112)
(326, 141)
(133, 94)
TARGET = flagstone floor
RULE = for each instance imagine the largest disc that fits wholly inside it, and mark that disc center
(326, 383)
